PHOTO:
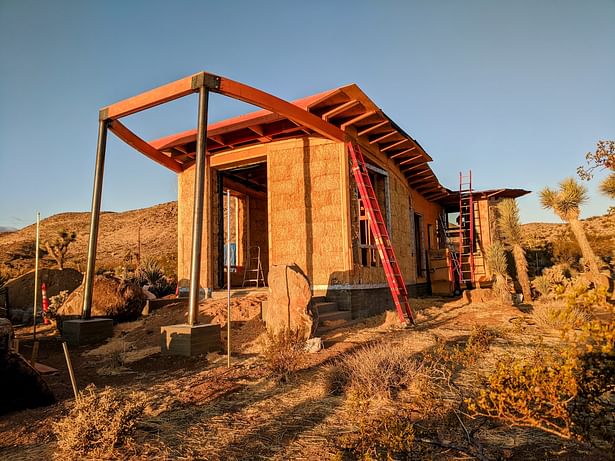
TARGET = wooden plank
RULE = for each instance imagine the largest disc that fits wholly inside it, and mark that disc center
(259, 98)
(414, 167)
(356, 119)
(403, 152)
(372, 128)
(339, 109)
(383, 137)
(239, 157)
(412, 159)
(395, 144)
(243, 189)
(151, 98)
(142, 146)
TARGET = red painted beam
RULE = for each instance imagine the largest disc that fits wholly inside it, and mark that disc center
(142, 146)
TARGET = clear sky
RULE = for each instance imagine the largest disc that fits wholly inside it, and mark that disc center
(517, 91)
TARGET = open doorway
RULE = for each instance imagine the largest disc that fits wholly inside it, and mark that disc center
(248, 235)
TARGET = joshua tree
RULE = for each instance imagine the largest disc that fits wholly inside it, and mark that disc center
(565, 203)
(510, 228)
(58, 247)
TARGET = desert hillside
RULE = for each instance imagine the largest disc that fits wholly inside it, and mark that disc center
(118, 236)
(600, 233)
(158, 225)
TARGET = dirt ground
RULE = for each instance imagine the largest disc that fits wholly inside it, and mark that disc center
(200, 409)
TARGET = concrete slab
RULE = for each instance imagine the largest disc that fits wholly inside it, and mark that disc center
(80, 332)
(190, 340)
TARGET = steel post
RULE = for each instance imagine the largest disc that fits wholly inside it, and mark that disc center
(197, 217)
(94, 218)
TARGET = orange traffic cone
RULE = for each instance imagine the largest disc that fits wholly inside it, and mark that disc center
(45, 303)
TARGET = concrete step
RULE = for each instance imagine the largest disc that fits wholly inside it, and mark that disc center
(334, 316)
(325, 307)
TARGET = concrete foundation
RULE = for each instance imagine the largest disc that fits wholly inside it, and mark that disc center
(190, 340)
(80, 332)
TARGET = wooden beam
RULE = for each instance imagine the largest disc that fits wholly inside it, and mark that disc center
(414, 167)
(339, 109)
(395, 144)
(142, 146)
(372, 128)
(243, 189)
(356, 119)
(239, 157)
(267, 101)
(423, 180)
(411, 159)
(403, 152)
(424, 185)
(151, 98)
(384, 136)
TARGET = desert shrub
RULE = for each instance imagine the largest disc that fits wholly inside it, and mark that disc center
(283, 352)
(375, 371)
(150, 273)
(568, 393)
(555, 314)
(384, 437)
(100, 421)
(478, 342)
(579, 294)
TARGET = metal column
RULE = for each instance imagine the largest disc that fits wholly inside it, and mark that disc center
(197, 220)
(94, 218)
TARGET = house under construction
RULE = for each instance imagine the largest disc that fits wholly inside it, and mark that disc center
(295, 198)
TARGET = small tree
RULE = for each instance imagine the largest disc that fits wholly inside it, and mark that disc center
(496, 260)
(566, 203)
(510, 227)
(58, 247)
(603, 157)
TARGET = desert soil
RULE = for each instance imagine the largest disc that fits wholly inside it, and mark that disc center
(200, 409)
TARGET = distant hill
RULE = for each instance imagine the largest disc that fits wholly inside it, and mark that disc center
(4, 229)
(118, 235)
(600, 232)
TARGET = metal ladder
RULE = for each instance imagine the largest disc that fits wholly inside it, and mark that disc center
(453, 251)
(254, 267)
(466, 229)
(381, 236)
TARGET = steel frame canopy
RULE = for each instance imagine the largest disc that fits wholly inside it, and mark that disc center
(201, 83)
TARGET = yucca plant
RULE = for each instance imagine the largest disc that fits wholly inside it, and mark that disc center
(496, 260)
(566, 204)
(510, 227)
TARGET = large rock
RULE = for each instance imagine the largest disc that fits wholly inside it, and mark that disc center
(288, 306)
(111, 298)
(21, 289)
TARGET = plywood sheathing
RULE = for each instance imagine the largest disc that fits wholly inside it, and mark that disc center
(307, 218)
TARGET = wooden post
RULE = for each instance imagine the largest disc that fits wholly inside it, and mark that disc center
(228, 278)
(71, 373)
(38, 225)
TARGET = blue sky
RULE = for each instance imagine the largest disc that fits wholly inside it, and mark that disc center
(516, 91)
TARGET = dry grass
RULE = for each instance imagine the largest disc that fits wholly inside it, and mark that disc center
(283, 353)
(377, 371)
(99, 422)
(555, 314)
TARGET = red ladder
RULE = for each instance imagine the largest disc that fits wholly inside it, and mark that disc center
(466, 229)
(381, 236)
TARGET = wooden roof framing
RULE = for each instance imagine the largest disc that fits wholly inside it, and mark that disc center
(347, 109)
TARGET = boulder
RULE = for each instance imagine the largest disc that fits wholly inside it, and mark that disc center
(112, 298)
(289, 305)
(20, 290)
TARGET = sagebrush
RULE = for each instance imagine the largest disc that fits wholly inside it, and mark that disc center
(99, 422)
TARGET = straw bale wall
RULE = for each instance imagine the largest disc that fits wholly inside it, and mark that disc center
(306, 211)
